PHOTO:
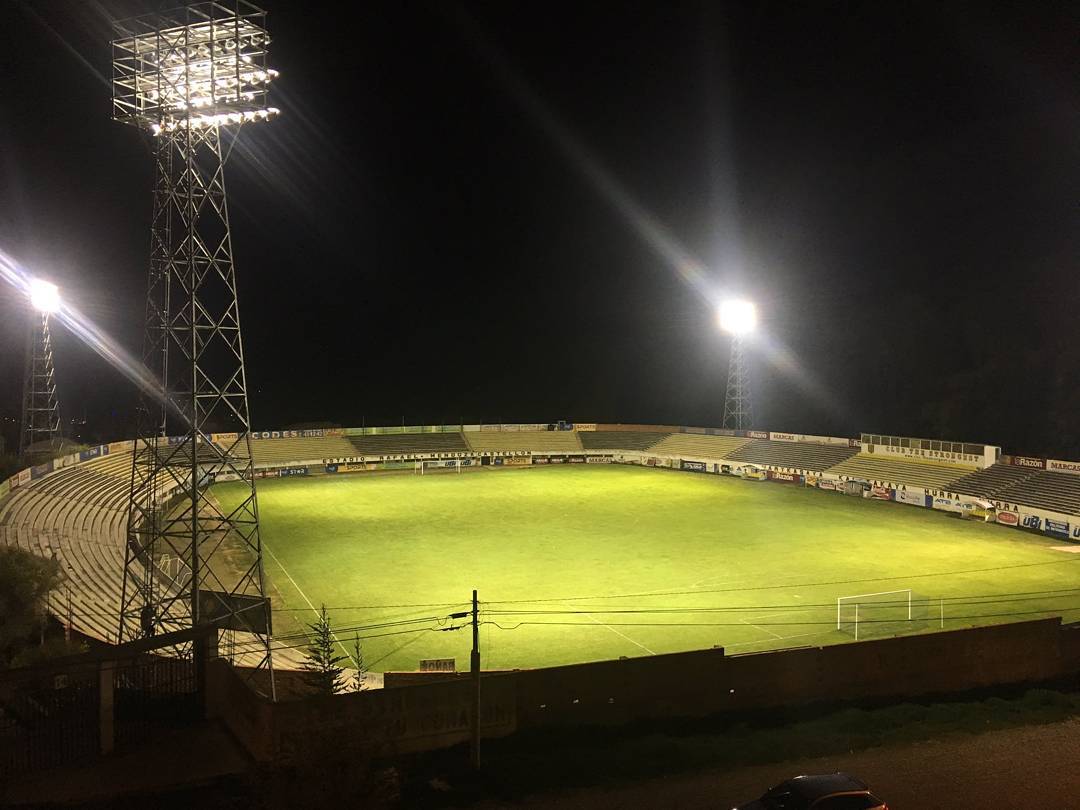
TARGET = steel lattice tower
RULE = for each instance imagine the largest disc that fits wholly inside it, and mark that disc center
(192, 78)
(738, 406)
(40, 409)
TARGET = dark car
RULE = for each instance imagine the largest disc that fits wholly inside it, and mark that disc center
(829, 791)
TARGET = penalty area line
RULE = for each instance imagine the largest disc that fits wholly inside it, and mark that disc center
(779, 638)
(300, 591)
(762, 629)
(616, 632)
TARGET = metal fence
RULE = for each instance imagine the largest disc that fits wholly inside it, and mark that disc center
(77, 708)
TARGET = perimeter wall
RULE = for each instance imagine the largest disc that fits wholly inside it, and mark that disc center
(704, 683)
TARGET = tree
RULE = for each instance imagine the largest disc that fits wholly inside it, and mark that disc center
(323, 672)
(25, 583)
(361, 668)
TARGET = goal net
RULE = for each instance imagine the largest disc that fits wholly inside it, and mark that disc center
(876, 615)
(438, 466)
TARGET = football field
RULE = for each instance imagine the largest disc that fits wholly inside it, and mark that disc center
(594, 562)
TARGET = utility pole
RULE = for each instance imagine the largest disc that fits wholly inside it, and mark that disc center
(474, 663)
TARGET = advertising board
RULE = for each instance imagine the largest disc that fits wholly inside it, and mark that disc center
(1028, 461)
(968, 459)
(828, 484)
(119, 447)
(785, 477)
(783, 437)
(757, 434)
(92, 452)
(575, 459)
(1056, 465)
(586, 426)
(947, 504)
(293, 471)
(881, 493)
(915, 497)
(598, 459)
(1008, 518)
(541, 460)
(1057, 528)
(692, 466)
(1031, 521)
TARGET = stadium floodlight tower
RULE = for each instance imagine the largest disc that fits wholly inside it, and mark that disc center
(40, 429)
(191, 78)
(739, 319)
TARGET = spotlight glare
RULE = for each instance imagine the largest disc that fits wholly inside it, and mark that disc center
(737, 317)
(44, 297)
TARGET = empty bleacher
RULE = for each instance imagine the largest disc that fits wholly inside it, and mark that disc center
(543, 441)
(620, 439)
(697, 445)
(1056, 491)
(77, 515)
(896, 471)
(315, 448)
(793, 455)
(390, 444)
(993, 480)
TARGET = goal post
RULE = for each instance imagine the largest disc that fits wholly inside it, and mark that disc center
(885, 611)
(440, 465)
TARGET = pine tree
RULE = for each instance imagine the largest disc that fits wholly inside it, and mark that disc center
(323, 672)
(361, 667)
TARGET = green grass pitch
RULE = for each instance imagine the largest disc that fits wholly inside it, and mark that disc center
(588, 563)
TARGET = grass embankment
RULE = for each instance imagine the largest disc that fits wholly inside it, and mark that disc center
(559, 760)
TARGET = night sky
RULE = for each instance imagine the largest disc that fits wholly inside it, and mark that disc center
(486, 212)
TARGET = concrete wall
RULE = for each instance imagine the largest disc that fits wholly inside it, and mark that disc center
(707, 682)
(384, 721)
(429, 716)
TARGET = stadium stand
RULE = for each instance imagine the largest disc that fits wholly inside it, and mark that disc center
(794, 455)
(1059, 492)
(556, 441)
(993, 480)
(389, 444)
(271, 451)
(619, 439)
(895, 471)
(698, 445)
(78, 516)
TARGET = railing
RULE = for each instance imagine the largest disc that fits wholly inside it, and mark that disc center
(79, 707)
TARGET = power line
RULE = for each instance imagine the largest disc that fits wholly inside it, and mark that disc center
(756, 624)
(781, 587)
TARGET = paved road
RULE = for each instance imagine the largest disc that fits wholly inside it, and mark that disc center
(1016, 769)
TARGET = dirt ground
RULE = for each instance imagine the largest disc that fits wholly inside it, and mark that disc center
(1020, 768)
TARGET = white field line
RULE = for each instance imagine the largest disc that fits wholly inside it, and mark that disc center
(762, 629)
(783, 638)
(300, 591)
(616, 632)
(750, 622)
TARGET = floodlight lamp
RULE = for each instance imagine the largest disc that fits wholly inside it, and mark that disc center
(44, 297)
(738, 317)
